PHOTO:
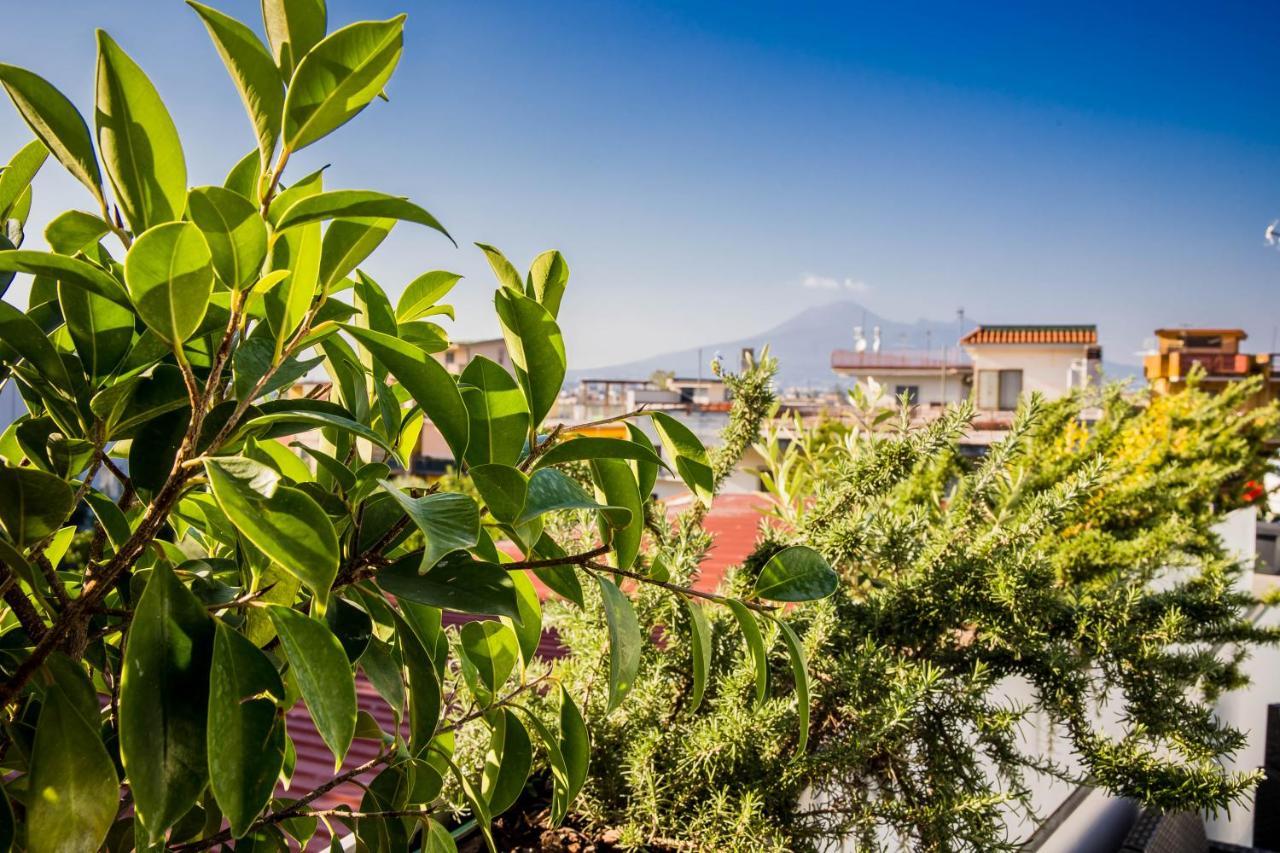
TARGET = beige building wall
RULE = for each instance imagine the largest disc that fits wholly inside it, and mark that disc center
(1046, 368)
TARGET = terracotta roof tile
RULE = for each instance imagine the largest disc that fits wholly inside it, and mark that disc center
(1082, 334)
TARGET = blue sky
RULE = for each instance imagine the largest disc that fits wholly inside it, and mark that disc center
(710, 169)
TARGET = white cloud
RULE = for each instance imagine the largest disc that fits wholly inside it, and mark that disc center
(823, 282)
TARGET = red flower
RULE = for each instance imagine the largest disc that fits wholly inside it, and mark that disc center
(1252, 491)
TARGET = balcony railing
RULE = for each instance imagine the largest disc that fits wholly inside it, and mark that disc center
(843, 359)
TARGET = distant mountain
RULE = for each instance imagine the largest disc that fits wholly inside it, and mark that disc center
(802, 345)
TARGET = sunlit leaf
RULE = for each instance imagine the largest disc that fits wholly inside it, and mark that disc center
(282, 521)
(56, 121)
(339, 77)
(169, 272)
(796, 573)
(536, 348)
(324, 676)
(235, 233)
(141, 152)
(255, 74)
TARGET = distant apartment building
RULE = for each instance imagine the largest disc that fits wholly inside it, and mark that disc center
(459, 354)
(924, 378)
(1009, 361)
(1216, 352)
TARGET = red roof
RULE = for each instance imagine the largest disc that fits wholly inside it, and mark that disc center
(732, 522)
(1032, 335)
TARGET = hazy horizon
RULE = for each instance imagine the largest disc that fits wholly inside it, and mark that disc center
(711, 170)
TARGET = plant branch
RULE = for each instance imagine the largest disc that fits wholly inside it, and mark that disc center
(673, 587)
(296, 809)
(625, 416)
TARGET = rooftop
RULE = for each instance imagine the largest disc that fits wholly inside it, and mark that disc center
(1179, 334)
(1067, 334)
(843, 359)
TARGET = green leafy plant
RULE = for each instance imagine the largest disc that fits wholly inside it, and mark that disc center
(231, 577)
(1069, 583)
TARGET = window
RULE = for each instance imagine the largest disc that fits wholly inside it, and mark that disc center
(449, 357)
(1010, 389)
(999, 389)
(912, 392)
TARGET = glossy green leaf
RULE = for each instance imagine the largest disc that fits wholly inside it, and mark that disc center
(421, 294)
(646, 472)
(800, 673)
(112, 518)
(561, 579)
(383, 672)
(57, 123)
(169, 272)
(351, 625)
(587, 448)
(425, 379)
(617, 483)
(72, 790)
(141, 152)
(551, 490)
(507, 275)
(22, 338)
(498, 413)
(255, 74)
(16, 177)
(449, 521)
(503, 490)
(243, 177)
(528, 627)
(755, 645)
(234, 231)
(425, 697)
(73, 231)
(457, 583)
(125, 406)
(339, 77)
(575, 746)
(689, 455)
(796, 573)
(33, 503)
(164, 700)
(366, 204)
(342, 476)
(347, 242)
(625, 641)
(101, 330)
(548, 277)
(491, 649)
(507, 762)
(436, 839)
(308, 420)
(536, 348)
(293, 28)
(700, 649)
(283, 522)
(324, 676)
(66, 270)
(245, 734)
